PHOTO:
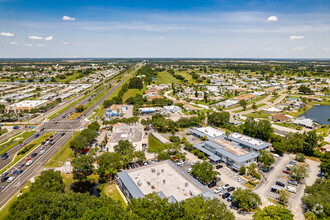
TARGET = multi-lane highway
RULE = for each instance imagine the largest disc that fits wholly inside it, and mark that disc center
(59, 124)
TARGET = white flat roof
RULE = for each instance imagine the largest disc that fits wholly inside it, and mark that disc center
(211, 131)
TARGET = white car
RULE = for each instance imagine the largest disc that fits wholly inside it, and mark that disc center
(42, 152)
(10, 179)
(291, 189)
(180, 163)
(192, 163)
(226, 186)
(217, 190)
(29, 163)
(189, 169)
(239, 179)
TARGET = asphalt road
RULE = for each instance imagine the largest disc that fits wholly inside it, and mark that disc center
(59, 125)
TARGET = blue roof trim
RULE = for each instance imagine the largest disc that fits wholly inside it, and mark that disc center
(130, 185)
(161, 195)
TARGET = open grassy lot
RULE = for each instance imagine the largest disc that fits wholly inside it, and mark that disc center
(111, 191)
(249, 108)
(274, 98)
(154, 145)
(166, 78)
(62, 154)
(258, 114)
(290, 125)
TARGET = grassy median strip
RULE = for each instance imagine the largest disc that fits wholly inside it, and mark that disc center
(61, 155)
(36, 143)
(25, 135)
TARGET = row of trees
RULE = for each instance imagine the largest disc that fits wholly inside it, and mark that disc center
(258, 129)
(85, 137)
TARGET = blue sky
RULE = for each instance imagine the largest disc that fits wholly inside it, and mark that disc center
(157, 28)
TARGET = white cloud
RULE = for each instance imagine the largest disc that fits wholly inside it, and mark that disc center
(35, 38)
(6, 34)
(49, 38)
(65, 43)
(297, 48)
(272, 18)
(294, 37)
(29, 45)
(67, 18)
(13, 43)
(40, 45)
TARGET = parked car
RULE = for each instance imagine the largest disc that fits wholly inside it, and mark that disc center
(226, 195)
(280, 183)
(291, 189)
(212, 184)
(219, 166)
(226, 186)
(217, 190)
(189, 169)
(229, 199)
(286, 171)
(293, 162)
(239, 179)
(232, 188)
(10, 179)
(292, 182)
(19, 172)
(33, 155)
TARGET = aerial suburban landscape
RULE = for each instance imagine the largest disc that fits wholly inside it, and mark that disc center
(141, 124)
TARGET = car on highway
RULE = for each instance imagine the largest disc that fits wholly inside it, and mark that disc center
(42, 143)
(226, 195)
(29, 163)
(63, 134)
(42, 147)
(21, 165)
(4, 174)
(34, 154)
(10, 179)
(42, 152)
(1, 188)
(4, 154)
(42, 129)
(36, 135)
(19, 172)
(51, 136)
(4, 179)
(5, 157)
(16, 127)
(27, 159)
(13, 172)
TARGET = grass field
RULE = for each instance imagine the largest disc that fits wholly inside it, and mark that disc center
(154, 146)
(187, 76)
(166, 78)
(257, 115)
(25, 135)
(249, 108)
(274, 98)
(290, 125)
(61, 155)
(112, 192)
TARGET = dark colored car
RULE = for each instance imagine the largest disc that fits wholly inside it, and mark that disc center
(21, 165)
(212, 184)
(33, 155)
(226, 195)
(280, 183)
(36, 135)
(4, 154)
(230, 189)
(286, 171)
(19, 172)
(219, 166)
(5, 157)
(4, 179)
(1, 188)
(42, 129)
(4, 174)
(42, 143)
(16, 127)
(63, 134)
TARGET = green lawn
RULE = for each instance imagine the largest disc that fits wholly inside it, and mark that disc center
(258, 114)
(166, 78)
(289, 125)
(112, 192)
(61, 155)
(25, 135)
(134, 92)
(274, 98)
(187, 76)
(249, 108)
(154, 146)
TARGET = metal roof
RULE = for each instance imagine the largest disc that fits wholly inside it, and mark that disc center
(130, 185)
(257, 147)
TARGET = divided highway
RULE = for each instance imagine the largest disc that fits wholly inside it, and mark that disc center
(60, 125)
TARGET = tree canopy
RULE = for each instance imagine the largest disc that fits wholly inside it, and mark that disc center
(203, 171)
(246, 199)
(273, 212)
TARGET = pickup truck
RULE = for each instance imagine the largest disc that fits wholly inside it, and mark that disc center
(291, 189)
